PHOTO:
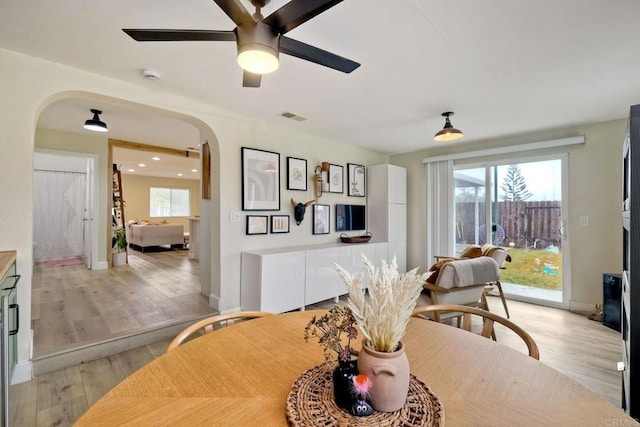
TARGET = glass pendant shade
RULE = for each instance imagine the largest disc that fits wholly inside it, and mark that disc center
(258, 59)
(257, 48)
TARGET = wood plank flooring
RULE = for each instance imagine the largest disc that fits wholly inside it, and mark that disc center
(74, 307)
(583, 349)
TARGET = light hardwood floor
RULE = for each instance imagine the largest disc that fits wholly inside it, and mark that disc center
(74, 307)
(582, 349)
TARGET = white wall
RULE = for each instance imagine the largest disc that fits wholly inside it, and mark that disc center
(25, 94)
(57, 162)
(286, 143)
(595, 177)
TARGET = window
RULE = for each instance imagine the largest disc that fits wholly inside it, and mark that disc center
(169, 202)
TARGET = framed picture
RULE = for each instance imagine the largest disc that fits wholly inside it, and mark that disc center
(260, 180)
(279, 223)
(296, 174)
(321, 219)
(356, 180)
(336, 174)
(257, 224)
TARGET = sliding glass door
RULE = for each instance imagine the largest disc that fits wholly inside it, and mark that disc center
(523, 200)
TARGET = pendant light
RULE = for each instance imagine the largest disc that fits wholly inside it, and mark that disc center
(448, 132)
(96, 124)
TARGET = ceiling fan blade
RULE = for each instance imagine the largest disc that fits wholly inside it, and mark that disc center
(297, 12)
(180, 35)
(236, 11)
(310, 53)
(251, 79)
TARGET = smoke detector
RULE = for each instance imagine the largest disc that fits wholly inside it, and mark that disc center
(151, 75)
(292, 116)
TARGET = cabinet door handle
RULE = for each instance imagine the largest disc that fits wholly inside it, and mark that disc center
(15, 282)
(17, 307)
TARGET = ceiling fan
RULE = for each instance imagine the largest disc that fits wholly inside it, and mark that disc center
(259, 40)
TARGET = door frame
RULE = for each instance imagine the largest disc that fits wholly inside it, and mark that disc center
(91, 186)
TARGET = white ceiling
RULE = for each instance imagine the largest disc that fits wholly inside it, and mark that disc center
(505, 67)
(156, 164)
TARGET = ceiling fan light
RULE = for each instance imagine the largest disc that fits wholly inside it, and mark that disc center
(95, 124)
(258, 59)
(448, 132)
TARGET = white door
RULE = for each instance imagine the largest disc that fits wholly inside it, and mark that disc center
(87, 220)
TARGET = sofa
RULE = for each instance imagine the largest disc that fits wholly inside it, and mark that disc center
(141, 236)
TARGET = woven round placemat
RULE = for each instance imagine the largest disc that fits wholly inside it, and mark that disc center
(310, 403)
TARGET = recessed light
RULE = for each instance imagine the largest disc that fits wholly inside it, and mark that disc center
(155, 158)
(131, 170)
(142, 165)
(194, 170)
(180, 174)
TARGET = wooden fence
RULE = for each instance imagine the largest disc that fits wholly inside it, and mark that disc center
(525, 224)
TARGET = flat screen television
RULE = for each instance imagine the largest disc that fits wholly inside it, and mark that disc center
(350, 217)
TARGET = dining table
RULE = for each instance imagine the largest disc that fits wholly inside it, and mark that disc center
(242, 375)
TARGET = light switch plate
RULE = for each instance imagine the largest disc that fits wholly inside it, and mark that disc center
(584, 220)
(234, 216)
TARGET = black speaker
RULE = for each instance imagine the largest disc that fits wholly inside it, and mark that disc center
(611, 295)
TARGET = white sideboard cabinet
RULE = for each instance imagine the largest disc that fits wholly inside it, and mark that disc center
(387, 209)
(285, 279)
(322, 281)
(272, 281)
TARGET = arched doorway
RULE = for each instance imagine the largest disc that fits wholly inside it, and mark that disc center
(132, 300)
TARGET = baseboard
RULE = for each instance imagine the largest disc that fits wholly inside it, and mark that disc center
(75, 356)
(23, 372)
(581, 307)
(214, 302)
(100, 265)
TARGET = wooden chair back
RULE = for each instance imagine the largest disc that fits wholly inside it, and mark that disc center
(209, 324)
(488, 318)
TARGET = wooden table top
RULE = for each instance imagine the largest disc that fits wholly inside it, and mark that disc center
(241, 376)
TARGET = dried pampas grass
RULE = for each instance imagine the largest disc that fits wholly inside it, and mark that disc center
(383, 316)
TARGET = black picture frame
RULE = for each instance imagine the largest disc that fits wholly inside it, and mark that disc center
(260, 180)
(321, 219)
(257, 224)
(296, 174)
(336, 178)
(356, 180)
(280, 224)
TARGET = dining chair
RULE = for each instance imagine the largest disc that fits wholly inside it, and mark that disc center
(488, 320)
(212, 323)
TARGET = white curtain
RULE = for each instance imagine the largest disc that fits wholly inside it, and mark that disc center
(58, 213)
(440, 209)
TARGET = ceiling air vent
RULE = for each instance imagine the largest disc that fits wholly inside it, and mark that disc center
(292, 116)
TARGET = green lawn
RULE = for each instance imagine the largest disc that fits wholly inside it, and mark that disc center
(533, 267)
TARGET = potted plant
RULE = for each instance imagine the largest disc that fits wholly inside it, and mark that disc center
(383, 318)
(120, 247)
(330, 330)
